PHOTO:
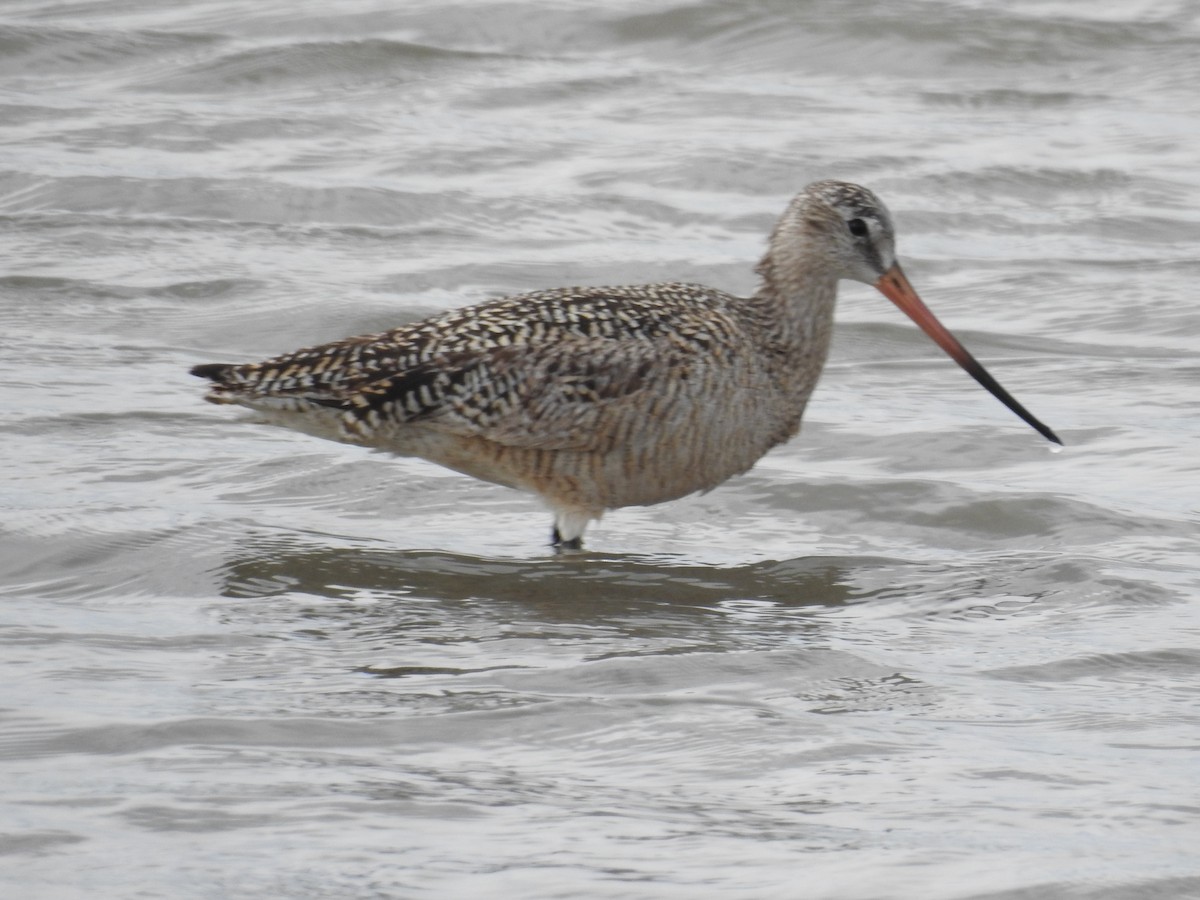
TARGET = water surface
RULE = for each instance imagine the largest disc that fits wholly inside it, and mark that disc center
(912, 654)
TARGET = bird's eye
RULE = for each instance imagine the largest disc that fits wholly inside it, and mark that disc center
(857, 227)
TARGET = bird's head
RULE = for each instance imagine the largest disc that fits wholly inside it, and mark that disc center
(836, 230)
(854, 226)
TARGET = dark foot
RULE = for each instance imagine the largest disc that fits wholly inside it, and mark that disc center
(556, 539)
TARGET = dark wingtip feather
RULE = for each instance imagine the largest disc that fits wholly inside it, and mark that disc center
(211, 371)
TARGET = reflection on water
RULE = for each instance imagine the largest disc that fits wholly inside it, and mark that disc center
(912, 654)
(567, 584)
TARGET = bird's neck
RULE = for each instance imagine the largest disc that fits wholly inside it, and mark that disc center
(794, 305)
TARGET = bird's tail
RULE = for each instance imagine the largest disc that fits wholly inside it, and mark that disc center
(222, 390)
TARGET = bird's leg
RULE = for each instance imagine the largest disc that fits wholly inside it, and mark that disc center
(569, 525)
(557, 541)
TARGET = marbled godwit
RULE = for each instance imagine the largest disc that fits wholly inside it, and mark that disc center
(596, 398)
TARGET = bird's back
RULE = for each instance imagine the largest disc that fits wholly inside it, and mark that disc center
(680, 315)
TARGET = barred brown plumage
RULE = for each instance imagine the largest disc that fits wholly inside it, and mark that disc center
(601, 397)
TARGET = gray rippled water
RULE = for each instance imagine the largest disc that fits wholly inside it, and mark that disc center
(912, 654)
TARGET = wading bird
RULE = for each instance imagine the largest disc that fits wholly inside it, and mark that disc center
(595, 398)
